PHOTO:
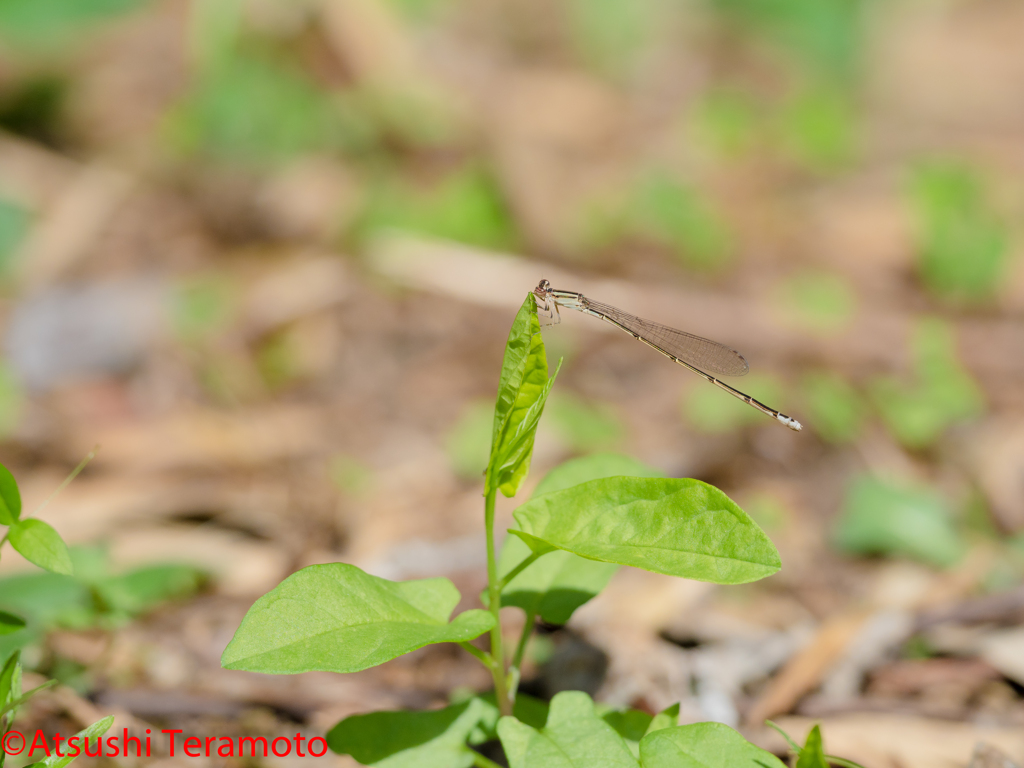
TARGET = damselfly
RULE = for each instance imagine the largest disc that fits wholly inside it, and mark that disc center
(702, 356)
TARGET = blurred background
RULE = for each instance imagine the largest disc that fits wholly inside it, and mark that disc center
(266, 254)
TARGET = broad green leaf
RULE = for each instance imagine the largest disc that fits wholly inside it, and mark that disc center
(78, 741)
(39, 543)
(522, 392)
(680, 527)
(574, 737)
(879, 517)
(337, 618)
(812, 755)
(10, 623)
(703, 745)
(10, 497)
(560, 582)
(401, 739)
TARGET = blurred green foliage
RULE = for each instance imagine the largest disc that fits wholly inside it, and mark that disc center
(255, 108)
(93, 597)
(12, 400)
(584, 426)
(609, 35)
(940, 393)
(963, 245)
(469, 442)
(835, 410)
(817, 301)
(818, 129)
(678, 217)
(825, 38)
(350, 475)
(202, 306)
(276, 360)
(49, 25)
(466, 206)
(33, 108)
(727, 121)
(14, 222)
(710, 409)
(881, 517)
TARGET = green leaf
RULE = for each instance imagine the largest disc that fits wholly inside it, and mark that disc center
(86, 736)
(337, 618)
(15, 703)
(942, 393)
(836, 410)
(10, 679)
(39, 543)
(560, 582)
(703, 745)
(667, 718)
(10, 497)
(963, 245)
(527, 709)
(812, 755)
(431, 739)
(680, 527)
(145, 588)
(10, 623)
(574, 737)
(632, 725)
(522, 392)
(882, 518)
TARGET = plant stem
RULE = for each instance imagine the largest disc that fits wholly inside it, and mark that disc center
(524, 638)
(494, 593)
(485, 658)
(518, 569)
(483, 762)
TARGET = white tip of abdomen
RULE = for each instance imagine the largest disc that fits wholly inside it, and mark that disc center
(789, 422)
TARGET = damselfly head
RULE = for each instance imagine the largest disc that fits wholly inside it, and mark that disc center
(543, 288)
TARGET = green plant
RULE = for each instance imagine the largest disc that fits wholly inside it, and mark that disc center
(963, 245)
(587, 518)
(40, 544)
(941, 392)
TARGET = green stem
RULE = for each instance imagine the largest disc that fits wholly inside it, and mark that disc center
(485, 658)
(483, 762)
(517, 570)
(494, 593)
(524, 638)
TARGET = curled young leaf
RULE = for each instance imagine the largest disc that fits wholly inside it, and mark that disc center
(10, 497)
(679, 527)
(522, 393)
(337, 618)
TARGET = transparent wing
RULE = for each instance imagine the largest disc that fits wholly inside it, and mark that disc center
(709, 356)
